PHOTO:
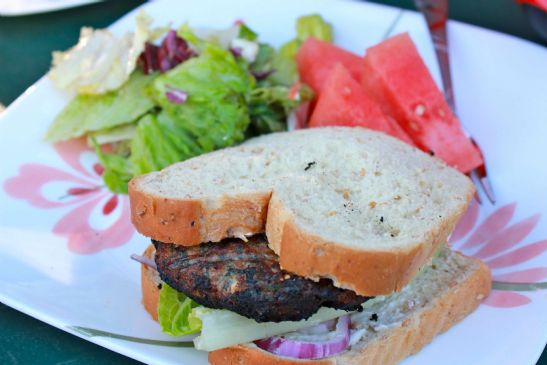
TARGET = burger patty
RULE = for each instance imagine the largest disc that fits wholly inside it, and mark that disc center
(245, 278)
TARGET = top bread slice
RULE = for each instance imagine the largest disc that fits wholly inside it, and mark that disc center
(350, 204)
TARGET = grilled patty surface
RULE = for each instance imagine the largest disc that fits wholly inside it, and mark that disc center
(245, 277)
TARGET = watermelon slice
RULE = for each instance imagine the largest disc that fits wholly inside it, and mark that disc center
(316, 59)
(397, 77)
(343, 102)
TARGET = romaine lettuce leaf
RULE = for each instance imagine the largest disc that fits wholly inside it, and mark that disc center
(89, 113)
(215, 66)
(284, 64)
(315, 26)
(159, 142)
(199, 42)
(247, 33)
(174, 311)
(269, 107)
(119, 133)
(264, 60)
(215, 113)
(118, 170)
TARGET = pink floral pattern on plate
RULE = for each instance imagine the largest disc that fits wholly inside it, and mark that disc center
(501, 244)
(495, 240)
(90, 201)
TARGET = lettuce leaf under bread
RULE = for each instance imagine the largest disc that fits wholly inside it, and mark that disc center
(174, 311)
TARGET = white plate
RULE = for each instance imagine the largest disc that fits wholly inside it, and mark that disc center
(65, 250)
(28, 7)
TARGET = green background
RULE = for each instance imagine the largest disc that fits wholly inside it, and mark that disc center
(26, 44)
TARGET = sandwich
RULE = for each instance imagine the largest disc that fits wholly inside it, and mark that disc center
(318, 246)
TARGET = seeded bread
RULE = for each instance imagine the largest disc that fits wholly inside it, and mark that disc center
(350, 204)
(399, 325)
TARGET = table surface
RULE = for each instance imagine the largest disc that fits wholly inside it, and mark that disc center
(26, 44)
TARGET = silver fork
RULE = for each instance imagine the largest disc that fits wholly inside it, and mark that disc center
(435, 13)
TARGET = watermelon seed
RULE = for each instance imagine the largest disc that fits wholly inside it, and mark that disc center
(419, 110)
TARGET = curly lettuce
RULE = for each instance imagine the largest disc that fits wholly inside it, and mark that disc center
(101, 62)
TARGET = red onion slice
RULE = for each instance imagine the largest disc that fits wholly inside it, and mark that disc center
(334, 343)
(176, 96)
(144, 260)
(236, 51)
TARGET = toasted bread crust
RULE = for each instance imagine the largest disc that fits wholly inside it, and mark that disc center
(250, 354)
(378, 267)
(189, 222)
(392, 345)
(369, 273)
(150, 286)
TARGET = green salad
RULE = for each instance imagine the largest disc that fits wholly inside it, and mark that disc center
(158, 96)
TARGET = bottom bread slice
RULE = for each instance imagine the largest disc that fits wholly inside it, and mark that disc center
(392, 327)
(150, 285)
(399, 325)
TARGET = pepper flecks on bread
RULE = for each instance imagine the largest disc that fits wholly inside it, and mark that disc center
(261, 187)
